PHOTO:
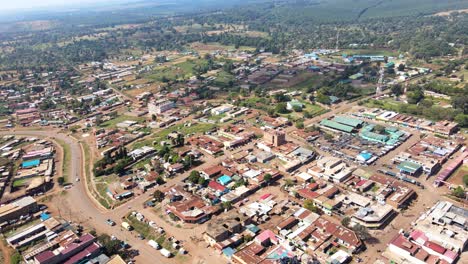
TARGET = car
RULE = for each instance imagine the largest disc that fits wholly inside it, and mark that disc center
(110, 222)
(141, 237)
(77, 179)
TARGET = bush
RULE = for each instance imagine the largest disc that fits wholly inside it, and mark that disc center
(16, 258)
(61, 181)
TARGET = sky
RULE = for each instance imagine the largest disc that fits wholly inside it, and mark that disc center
(6, 5)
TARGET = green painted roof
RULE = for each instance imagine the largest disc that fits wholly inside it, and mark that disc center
(373, 136)
(348, 121)
(337, 126)
(408, 166)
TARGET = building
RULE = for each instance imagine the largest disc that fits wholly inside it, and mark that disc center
(414, 248)
(274, 137)
(223, 228)
(72, 251)
(21, 207)
(446, 224)
(222, 109)
(375, 216)
(188, 207)
(160, 106)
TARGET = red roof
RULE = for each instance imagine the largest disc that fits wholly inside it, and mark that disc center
(263, 197)
(216, 186)
(361, 182)
(436, 247)
(307, 194)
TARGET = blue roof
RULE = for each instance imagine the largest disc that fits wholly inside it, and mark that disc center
(224, 179)
(30, 163)
(366, 155)
(44, 216)
(253, 228)
(229, 252)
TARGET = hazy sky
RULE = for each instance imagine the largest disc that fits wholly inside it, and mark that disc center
(32, 4)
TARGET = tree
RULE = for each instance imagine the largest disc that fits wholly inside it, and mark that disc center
(465, 179)
(345, 221)
(300, 124)
(281, 108)
(397, 89)
(459, 192)
(309, 205)
(110, 247)
(16, 258)
(267, 178)
(194, 176)
(226, 205)
(361, 231)
(61, 181)
(401, 67)
(297, 108)
(153, 117)
(119, 168)
(379, 129)
(328, 137)
(158, 195)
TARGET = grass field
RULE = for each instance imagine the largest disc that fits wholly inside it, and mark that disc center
(162, 135)
(19, 183)
(382, 52)
(66, 159)
(182, 70)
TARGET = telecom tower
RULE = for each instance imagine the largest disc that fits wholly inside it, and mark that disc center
(380, 84)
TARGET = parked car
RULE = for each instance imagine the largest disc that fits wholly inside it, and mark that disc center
(110, 222)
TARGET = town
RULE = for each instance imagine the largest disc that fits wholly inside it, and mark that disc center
(223, 154)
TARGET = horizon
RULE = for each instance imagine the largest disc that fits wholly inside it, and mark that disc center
(48, 5)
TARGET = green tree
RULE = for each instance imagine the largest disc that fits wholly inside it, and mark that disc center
(346, 221)
(361, 231)
(158, 195)
(401, 67)
(297, 108)
(300, 124)
(16, 258)
(459, 192)
(281, 108)
(465, 179)
(309, 205)
(110, 247)
(267, 178)
(226, 205)
(397, 89)
(194, 176)
(61, 180)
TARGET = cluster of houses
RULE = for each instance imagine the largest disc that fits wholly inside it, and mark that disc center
(34, 170)
(44, 239)
(438, 236)
(300, 234)
(444, 128)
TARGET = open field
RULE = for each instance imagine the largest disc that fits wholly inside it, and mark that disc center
(121, 118)
(210, 47)
(161, 135)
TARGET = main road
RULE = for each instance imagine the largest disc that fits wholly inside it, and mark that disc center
(85, 209)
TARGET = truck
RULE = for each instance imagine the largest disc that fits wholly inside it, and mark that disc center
(153, 244)
(165, 252)
(126, 226)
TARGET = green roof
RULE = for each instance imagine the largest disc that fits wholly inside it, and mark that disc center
(337, 126)
(356, 76)
(374, 136)
(348, 121)
(408, 166)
